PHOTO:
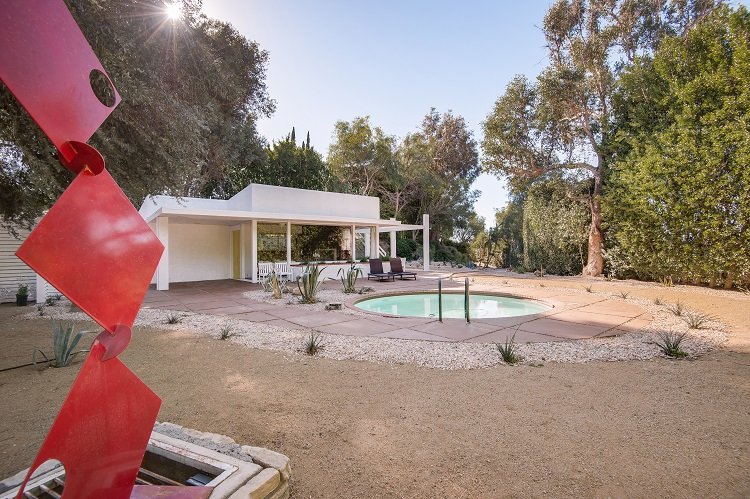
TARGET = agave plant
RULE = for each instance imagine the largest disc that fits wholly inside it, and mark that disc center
(308, 283)
(509, 351)
(349, 278)
(64, 341)
(275, 285)
(313, 344)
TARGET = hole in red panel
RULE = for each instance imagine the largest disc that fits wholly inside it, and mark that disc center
(102, 87)
(50, 475)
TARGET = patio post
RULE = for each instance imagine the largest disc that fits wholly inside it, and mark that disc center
(368, 245)
(162, 270)
(243, 250)
(392, 244)
(354, 243)
(426, 240)
(374, 242)
(254, 250)
(288, 242)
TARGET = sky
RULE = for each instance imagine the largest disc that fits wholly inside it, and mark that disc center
(334, 60)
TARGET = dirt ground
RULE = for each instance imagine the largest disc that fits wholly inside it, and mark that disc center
(660, 428)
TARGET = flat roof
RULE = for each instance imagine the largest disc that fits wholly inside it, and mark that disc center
(237, 216)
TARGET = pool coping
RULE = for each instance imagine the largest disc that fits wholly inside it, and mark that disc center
(351, 304)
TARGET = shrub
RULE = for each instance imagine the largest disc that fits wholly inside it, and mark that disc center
(313, 344)
(623, 294)
(589, 289)
(226, 332)
(669, 343)
(174, 318)
(406, 247)
(50, 301)
(23, 290)
(666, 281)
(40, 310)
(677, 309)
(349, 278)
(508, 351)
(697, 320)
(64, 341)
(275, 285)
(308, 283)
(658, 301)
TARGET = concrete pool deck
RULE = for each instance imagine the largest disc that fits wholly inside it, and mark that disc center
(573, 316)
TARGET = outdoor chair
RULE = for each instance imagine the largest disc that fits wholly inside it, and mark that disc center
(283, 270)
(264, 270)
(397, 269)
(376, 271)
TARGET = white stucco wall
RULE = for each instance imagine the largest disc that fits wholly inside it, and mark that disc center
(275, 199)
(199, 252)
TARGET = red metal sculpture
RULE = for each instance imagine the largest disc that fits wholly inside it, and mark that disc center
(92, 246)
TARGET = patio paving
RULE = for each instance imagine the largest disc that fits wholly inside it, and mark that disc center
(572, 317)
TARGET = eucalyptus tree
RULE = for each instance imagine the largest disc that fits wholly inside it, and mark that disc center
(564, 119)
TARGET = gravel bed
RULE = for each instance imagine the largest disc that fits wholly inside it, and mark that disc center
(325, 296)
(441, 355)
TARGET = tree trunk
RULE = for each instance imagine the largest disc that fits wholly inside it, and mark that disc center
(595, 264)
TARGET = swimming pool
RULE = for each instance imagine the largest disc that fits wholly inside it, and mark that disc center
(426, 305)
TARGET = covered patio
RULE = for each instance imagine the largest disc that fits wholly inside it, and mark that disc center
(213, 239)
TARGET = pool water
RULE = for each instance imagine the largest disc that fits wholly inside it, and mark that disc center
(426, 305)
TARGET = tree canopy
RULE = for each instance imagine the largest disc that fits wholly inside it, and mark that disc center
(428, 171)
(564, 119)
(678, 203)
(191, 90)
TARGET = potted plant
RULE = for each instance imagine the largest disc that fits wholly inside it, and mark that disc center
(22, 295)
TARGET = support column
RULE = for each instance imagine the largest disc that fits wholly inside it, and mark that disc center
(374, 242)
(254, 250)
(354, 243)
(289, 242)
(426, 241)
(162, 270)
(243, 251)
(41, 289)
(368, 246)
(392, 244)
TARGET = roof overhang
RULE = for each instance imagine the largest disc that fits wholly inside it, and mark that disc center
(228, 217)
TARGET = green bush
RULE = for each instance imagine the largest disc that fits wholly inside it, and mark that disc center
(407, 247)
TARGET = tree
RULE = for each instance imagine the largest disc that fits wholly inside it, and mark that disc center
(563, 121)
(191, 93)
(446, 164)
(678, 201)
(359, 154)
(555, 225)
(509, 229)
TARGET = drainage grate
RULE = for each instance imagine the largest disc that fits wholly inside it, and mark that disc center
(155, 469)
(51, 489)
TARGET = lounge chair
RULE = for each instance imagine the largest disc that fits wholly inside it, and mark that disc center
(397, 269)
(376, 271)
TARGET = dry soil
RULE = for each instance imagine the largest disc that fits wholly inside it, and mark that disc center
(659, 428)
